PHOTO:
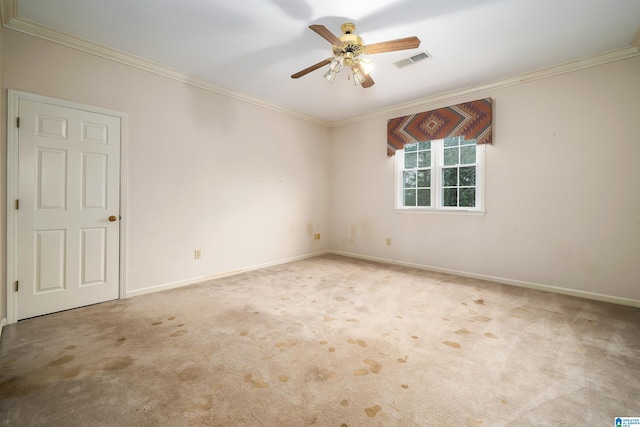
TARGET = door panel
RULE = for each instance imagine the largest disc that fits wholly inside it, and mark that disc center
(68, 187)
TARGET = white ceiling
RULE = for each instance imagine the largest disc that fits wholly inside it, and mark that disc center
(253, 46)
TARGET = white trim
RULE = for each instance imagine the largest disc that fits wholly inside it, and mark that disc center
(424, 103)
(3, 322)
(13, 101)
(502, 280)
(34, 29)
(194, 280)
(11, 20)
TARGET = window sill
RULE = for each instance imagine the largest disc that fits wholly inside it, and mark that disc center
(440, 211)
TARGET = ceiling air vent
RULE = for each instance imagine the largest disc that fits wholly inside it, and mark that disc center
(419, 57)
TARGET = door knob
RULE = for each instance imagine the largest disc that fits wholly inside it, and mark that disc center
(112, 218)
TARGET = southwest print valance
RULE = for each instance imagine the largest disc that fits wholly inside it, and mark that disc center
(470, 119)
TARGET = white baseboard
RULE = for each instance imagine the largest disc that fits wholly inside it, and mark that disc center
(194, 280)
(502, 280)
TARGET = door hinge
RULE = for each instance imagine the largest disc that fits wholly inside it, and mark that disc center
(17, 122)
(17, 285)
(17, 204)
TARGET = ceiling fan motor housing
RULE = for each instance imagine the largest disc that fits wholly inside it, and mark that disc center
(352, 42)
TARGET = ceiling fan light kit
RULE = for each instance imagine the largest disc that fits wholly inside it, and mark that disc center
(347, 50)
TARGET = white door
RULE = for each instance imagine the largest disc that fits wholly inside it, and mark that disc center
(68, 208)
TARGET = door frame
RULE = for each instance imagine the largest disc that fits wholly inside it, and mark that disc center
(13, 103)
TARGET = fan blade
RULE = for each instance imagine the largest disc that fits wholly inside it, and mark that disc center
(323, 32)
(368, 81)
(312, 68)
(391, 45)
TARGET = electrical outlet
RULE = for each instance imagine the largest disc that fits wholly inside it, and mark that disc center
(388, 241)
(197, 254)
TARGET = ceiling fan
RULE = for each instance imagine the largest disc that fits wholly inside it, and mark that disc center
(347, 51)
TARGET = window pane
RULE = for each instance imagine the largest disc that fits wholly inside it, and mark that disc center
(424, 178)
(410, 160)
(452, 142)
(468, 142)
(468, 197)
(410, 147)
(424, 159)
(468, 154)
(468, 175)
(451, 156)
(450, 177)
(409, 197)
(424, 197)
(426, 145)
(409, 179)
(450, 197)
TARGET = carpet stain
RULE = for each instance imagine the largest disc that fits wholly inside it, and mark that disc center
(451, 344)
(339, 298)
(283, 378)
(415, 337)
(374, 365)
(70, 373)
(399, 317)
(352, 320)
(281, 344)
(323, 342)
(479, 301)
(117, 363)
(331, 349)
(70, 347)
(463, 331)
(481, 318)
(351, 341)
(504, 402)
(178, 333)
(62, 360)
(490, 335)
(362, 344)
(344, 402)
(256, 312)
(446, 319)
(400, 360)
(373, 411)
(522, 309)
(343, 425)
(171, 318)
(189, 374)
(404, 386)
(320, 374)
(360, 372)
(244, 333)
(180, 325)
(257, 383)
(328, 319)
(464, 303)
(121, 341)
(156, 323)
(8, 363)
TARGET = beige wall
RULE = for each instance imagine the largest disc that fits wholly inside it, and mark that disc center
(563, 189)
(250, 186)
(246, 185)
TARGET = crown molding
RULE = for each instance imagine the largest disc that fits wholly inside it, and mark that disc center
(402, 109)
(10, 19)
(8, 9)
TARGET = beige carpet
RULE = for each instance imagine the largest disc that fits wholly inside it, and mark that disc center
(328, 341)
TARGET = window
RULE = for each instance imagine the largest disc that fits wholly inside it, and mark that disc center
(440, 175)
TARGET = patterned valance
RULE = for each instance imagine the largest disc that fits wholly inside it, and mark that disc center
(470, 119)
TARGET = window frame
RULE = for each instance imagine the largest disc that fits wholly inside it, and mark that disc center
(437, 190)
